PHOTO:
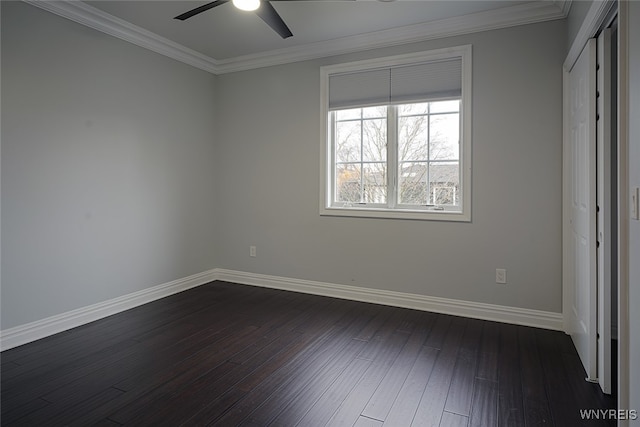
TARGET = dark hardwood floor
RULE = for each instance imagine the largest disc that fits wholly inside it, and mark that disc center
(225, 354)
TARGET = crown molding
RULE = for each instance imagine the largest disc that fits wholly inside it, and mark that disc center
(527, 13)
(92, 17)
(564, 6)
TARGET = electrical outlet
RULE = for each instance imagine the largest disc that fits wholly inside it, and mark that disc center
(252, 251)
(635, 203)
(501, 275)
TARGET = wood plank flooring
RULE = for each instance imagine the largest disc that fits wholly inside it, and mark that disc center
(225, 354)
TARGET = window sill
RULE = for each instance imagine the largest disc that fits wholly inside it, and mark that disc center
(423, 215)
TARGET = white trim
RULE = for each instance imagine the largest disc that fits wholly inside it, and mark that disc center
(29, 332)
(33, 331)
(592, 23)
(624, 235)
(567, 271)
(394, 213)
(89, 16)
(476, 310)
(604, 201)
(564, 6)
(527, 13)
(328, 208)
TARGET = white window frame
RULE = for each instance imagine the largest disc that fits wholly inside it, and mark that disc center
(327, 207)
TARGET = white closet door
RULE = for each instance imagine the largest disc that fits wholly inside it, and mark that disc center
(579, 281)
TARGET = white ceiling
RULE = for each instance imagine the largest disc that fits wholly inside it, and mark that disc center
(226, 32)
(226, 39)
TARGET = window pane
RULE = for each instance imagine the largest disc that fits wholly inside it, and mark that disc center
(411, 109)
(375, 183)
(374, 144)
(445, 137)
(445, 106)
(444, 183)
(395, 145)
(348, 187)
(413, 138)
(353, 113)
(348, 147)
(412, 186)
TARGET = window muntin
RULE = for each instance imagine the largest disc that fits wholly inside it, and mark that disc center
(429, 155)
(426, 145)
(408, 156)
(360, 155)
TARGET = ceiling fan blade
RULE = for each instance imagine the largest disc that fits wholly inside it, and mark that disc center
(203, 8)
(271, 17)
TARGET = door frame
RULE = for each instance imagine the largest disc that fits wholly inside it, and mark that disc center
(605, 209)
(595, 19)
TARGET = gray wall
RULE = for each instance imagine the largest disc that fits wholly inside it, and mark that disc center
(269, 159)
(123, 169)
(107, 179)
(634, 226)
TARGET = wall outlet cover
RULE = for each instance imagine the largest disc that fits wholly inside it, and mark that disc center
(501, 275)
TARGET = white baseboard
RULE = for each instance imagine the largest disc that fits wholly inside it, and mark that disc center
(476, 310)
(29, 332)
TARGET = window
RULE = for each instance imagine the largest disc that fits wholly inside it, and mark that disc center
(397, 137)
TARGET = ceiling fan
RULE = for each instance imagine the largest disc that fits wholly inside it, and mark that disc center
(262, 8)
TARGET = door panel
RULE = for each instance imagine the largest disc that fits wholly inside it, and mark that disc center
(579, 277)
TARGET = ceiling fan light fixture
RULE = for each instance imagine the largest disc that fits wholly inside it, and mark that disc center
(248, 5)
